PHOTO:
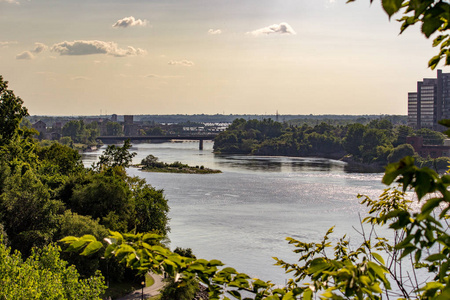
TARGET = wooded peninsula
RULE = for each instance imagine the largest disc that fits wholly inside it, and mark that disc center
(373, 145)
(152, 164)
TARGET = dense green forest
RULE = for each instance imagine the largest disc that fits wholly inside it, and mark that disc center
(46, 194)
(378, 142)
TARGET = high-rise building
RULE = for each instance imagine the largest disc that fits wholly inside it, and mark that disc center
(430, 103)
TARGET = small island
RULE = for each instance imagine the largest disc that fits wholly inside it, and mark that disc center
(152, 164)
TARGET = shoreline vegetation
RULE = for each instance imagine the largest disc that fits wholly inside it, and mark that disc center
(365, 148)
(152, 164)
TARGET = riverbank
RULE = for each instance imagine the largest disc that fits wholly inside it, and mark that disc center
(356, 166)
(152, 164)
(182, 169)
(353, 166)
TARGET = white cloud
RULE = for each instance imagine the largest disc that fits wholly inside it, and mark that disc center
(282, 28)
(8, 43)
(95, 47)
(185, 63)
(39, 47)
(130, 22)
(214, 31)
(25, 55)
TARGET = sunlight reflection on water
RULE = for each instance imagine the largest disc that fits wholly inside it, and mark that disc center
(243, 215)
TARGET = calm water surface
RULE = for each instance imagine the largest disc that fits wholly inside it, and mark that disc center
(243, 215)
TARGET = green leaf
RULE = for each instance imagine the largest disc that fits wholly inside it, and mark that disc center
(69, 239)
(444, 296)
(433, 286)
(437, 256)
(260, 284)
(434, 61)
(406, 241)
(417, 255)
(160, 250)
(391, 6)
(436, 42)
(393, 170)
(430, 25)
(443, 271)
(116, 236)
(318, 265)
(88, 237)
(92, 248)
(214, 263)
(428, 207)
(379, 271)
(407, 250)
(124, 250)
(151, 236)
(235, 294)
(307, 295)
(378, 257)
(229, 270)
(76, 246)
(424, 181)
(376, 288)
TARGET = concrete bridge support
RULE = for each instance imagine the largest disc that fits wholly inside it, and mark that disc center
(200, 145)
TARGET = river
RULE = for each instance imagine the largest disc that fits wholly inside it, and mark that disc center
(243, 215)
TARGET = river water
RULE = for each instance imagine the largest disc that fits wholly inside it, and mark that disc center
(243, 215)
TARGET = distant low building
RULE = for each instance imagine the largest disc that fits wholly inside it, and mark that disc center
(433, 151)
(57, 127)
(41, 127)
(130, 128)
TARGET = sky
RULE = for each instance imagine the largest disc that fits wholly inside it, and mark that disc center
(91, 57)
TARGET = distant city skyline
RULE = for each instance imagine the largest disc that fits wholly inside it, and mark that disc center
(192, 57)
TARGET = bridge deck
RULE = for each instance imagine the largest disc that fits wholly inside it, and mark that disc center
(199, 138)
(156, 137)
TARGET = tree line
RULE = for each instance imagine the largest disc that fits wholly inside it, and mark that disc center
(378, 142)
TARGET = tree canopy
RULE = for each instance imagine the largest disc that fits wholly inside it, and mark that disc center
(43, 275)
(46, 193)
(11, 112)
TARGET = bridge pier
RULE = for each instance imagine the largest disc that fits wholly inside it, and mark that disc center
(200, 145)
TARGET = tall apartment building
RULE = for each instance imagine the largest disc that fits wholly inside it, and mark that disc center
(430, 103)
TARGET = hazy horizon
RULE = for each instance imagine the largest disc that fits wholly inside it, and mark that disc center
(218, 114)
(140, 57)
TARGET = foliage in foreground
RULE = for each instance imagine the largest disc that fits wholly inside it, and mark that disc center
(46, 193)
(43, 275)
(376, 269)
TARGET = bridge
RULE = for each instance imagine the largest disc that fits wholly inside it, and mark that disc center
(184, 137)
